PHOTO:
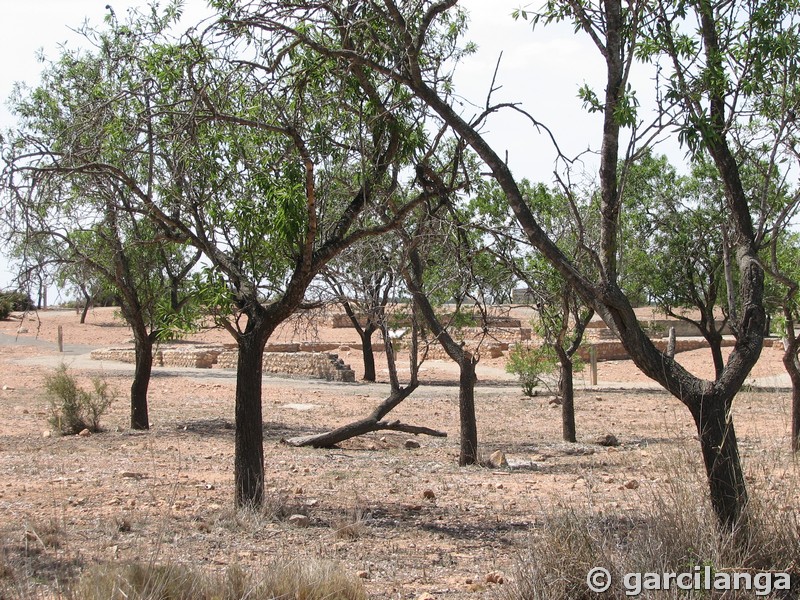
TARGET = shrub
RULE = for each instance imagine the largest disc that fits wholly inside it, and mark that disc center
(17, 300)
(530, 365)
(73, 409)
(670, 532)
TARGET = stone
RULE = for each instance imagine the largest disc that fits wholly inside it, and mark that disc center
(429, 495)
(609, 440)
(47, 434)
(426, 596)
(412, 444)
(85, 433)
(498, 459)
(300, 520)
(22, 330)
(8, 388)
(495, 577)
(363, 574)
(633, 484)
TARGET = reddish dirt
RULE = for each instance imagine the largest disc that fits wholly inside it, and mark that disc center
(408, 520)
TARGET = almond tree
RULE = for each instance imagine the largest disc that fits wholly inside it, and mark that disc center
(73, 214)
(240, 159)
(709, 71)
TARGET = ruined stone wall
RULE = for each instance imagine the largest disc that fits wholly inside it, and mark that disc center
(287, 361)
(320, 365)
(172, 356)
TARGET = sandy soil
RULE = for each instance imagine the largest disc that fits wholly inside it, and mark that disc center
(407, 521)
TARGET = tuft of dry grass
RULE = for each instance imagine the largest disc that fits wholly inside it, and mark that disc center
(350, 524)
(673, 531)
(299, 579)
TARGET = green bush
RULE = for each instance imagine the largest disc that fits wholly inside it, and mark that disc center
(530, 365)
(73, 409)
(5, 308)
(16, 300)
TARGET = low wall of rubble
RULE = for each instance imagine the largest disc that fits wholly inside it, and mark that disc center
(288, 360)
(320, 365)
(190, 356)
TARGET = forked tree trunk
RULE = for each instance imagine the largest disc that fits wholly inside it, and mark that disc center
(720, 450)
(466, 409)
(141, 382)
(249, 444)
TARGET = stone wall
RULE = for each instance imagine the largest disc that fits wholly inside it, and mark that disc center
(286, 361)
(320, 365)
(342, 321)
(188, 356)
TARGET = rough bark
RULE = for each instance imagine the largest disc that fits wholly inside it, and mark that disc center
(721, 459)
(249, 444)
(566, 390)
(368, 353)
(468, 454)
(141, 382)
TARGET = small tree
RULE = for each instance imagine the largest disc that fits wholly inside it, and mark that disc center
(530, 364)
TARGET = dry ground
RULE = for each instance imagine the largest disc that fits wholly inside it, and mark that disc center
(408, 521)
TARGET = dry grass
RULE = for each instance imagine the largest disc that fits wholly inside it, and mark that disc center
(673, 531)
(297, 579)
(301, 579)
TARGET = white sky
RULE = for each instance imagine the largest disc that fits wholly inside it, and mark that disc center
(543, 70)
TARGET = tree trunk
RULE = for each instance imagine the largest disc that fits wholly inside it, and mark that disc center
(721, 458)
(714, 339)
(466, 408)
(141, 382)
(790, 363)
(87, 301)
(249, 445)
(566, 390)
(368, 354)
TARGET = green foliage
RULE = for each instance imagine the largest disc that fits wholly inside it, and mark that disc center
(73, 409)
(530, 364)
(15, 300)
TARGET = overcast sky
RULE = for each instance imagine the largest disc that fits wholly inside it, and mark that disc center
(542, 70)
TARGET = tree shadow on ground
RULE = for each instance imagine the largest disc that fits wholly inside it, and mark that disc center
(273, 430)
